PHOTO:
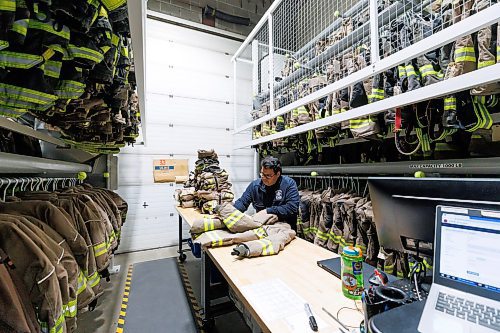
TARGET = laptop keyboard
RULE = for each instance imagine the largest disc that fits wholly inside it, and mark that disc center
(468, 310)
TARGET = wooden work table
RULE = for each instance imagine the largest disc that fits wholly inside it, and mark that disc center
(297, 267)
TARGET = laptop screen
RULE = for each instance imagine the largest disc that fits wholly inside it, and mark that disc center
(470, 247)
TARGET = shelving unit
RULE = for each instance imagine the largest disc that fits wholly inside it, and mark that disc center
(469, 25)
(26, 130)
(476, 166)
(20, 164)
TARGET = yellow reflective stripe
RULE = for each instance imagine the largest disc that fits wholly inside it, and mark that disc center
(61, 50)
(58, 325)
(260, 232)
(27, 95)
(232, 218)
(100, 249)
(427, 70)
(322, 235)
(113, 4)
(103, 12)
(267, 247)
(8, 111)
(465, 49)
(85, 53)
(464, 54)
(358, 123)
(465, 59)
(52, 68)
(487, 63)
(20, 26)
(401, 71)
(49, 27)
(70, 309)
(215, 238)
(8, 5)
(115, 40)
(19, 60)
(302, 110)
(410, 70)
(82, 283)
(93, 280)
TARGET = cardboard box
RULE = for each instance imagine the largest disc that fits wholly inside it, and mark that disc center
(166, 170)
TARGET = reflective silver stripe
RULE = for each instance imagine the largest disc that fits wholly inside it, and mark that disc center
(52, 68)
(85, 53)
(19, 60)
(48, 27)
(11, 112)
(27, 95)
(21, 27)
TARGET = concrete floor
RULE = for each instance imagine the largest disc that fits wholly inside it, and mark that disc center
(104, 318)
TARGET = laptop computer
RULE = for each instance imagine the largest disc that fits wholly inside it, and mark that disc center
(465, 294)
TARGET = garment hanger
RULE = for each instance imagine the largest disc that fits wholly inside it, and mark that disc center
(15, 185)
(47, 184)
(5, 190)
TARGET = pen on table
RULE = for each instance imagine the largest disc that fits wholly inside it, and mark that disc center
(343, 328)
(312, 320)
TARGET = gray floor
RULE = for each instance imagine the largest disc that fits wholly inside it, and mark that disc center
(104, 318)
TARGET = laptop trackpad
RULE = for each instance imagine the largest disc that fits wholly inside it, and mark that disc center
(442, 324)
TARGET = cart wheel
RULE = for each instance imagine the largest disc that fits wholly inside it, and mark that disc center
(182, 257)
(208, 324)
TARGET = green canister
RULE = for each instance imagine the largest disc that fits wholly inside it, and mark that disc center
(352, 272)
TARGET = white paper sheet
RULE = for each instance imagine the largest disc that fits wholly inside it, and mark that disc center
(273, 300)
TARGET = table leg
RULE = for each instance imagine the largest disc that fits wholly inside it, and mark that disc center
(182, 256)
(207, 317)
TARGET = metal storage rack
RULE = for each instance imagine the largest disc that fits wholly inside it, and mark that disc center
(275, 38)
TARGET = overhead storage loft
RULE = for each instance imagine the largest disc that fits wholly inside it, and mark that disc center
(330, 73)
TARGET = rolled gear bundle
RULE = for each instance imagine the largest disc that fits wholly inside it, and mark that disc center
(222, 237)
(207, 223)
(209, 207)
(210, 154)
(235, 220)
(185, 194)
(278, 236)
(264, 218)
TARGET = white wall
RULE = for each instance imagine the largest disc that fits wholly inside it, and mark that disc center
(189, 106)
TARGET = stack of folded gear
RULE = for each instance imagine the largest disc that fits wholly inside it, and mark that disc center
(211, 182)
(56, 247)
(69, 64)
(257, 235)
(185, 197)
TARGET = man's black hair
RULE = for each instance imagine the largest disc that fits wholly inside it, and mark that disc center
(270, 162)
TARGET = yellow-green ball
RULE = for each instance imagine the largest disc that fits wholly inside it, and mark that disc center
(81, 175)
(337, 13)
(419, 174)
(296, 65)
(314, 173)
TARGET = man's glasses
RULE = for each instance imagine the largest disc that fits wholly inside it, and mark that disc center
(266, 176)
